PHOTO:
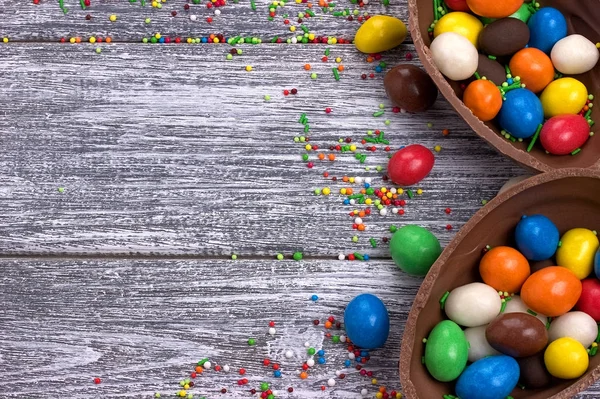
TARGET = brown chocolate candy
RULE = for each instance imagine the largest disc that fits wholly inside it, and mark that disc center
(534, 374)
(504, 36)
(410, 88)
(491, 69)
(517, 334)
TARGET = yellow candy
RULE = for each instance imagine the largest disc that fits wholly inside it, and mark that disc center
(577, 251)
(380, 33)
(563, 96)
(566, 358)
(462, 23)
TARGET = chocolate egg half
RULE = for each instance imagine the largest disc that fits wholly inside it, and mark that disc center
(410, 88)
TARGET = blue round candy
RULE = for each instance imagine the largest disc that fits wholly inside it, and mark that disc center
(521, 113)
(546, 27)
(492, 377)
(537, 237)
(597, 263)
(367, 321)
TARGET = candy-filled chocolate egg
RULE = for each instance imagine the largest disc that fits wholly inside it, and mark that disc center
(577, 251)
(414, 249)
(577, 325)
(563, 96)
(367, 321)
(563, 134)
(491, 70)
(516, 305)
(446, 351)
(479, 347)
(473, 305)
(493, 377)
(494, 9)
(546, 27)
(521, 113)
(552, 291)
(589, 302)
(574, 54)
(504, 37)
(504, 269)
(483, 98)
(380, 33)
(454, 55)
(537, 237)
(462, 23)
(410, 88)
(533, 372)
(566, 358)
(517, 334)
(410, 165)
(533, 67)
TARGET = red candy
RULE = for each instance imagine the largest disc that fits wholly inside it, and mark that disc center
(563, 134)
(457, 5)
(410, 165)
(589, 302)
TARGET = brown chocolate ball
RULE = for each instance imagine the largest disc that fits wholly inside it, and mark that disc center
(410, 88)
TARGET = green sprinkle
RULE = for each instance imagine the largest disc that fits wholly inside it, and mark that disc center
(373, 242)
(313, 75)
(477, 76)
(61, 189)
(358, 256)
(593, 351)
(201, 362)
(548, 322)
(304, 28)
(336, 75)
(317, 191)
(335, 339)
(251, 342)
(311, 351)
(354, 238)
(298, 255)
(267, 97)
(264, 386)
(423, 359)
(326, 52)
(378, 113)
(253, 5)
(443, 299)
(409, 193)
(577, 151)
(534, 138)
(429, 125)
(598, 337)
(393, 229)
(531, 312)
(233, 257)
(492, 57)
(279, 256)
(503, 307)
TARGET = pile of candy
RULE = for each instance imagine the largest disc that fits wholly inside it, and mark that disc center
(547, 332)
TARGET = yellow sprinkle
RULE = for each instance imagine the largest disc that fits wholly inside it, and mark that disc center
(92, 39)
(343, 191)
(338, 59)
(5, 40)
(356, 212)
(112, 18)
(419, 192)
(308, 147)
(351, 179)
(186, 386)
(352, 147)
(189, 40)
(437, 148)
(398, 395)
(374, 381)
(383, 190)
(158, 35)
(326, 191)
(598, 45)
(292, 28)
(311, 36)
(216, 40)
(389, 194)
(400, 191)
(368, 201)
(182, 393)
(594, 344)
(333, 40)
(154, 4)
(248, 68)
(379, 395)
(72, 40)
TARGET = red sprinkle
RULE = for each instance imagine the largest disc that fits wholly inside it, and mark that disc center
(97, 380)
(242, 371)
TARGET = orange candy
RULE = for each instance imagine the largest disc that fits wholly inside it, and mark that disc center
(483, 98)
(534, 68)
(505, 269)
(494, 8)
(552, 291)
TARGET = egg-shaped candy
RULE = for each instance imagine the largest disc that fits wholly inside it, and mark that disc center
(521, 113)
(516, 305)
(566, 358)
(533, 67)
(577, 250)
(493, 377)
(563, 134)
(494, 9)
(491, 70)
(457, 5)
(597, 263)
(574, 54)
(462, 23)
(479, 347)
(533, 372)
(547, 26)
(577, 325)
(537, 237)
(410, 165)
(504, 268)
(454, 55)
(483, 98)
(523, 13)
(552, 291)
(589, 302)
(473, 304)
(446, 351)
(504, 37)
(517, 334)
(563, 96)
(367, 321)
(414, 249)
(380, 33)
(410, 88)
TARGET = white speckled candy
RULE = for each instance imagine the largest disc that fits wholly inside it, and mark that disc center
(574, 54)
(479, 346)
(473, 305)
(577, 325)
(516, 305)
(454, 55)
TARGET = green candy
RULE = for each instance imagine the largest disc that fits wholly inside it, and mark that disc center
(523, 13)
(414, 249)
(446, 351)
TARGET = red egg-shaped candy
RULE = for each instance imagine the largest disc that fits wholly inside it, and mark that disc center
(589, 301)
(457, 5)
(410, 165)
(563, 134)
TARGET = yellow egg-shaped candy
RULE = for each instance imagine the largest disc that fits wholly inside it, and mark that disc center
(462, 23)
(563, 96)
(577, 250)
(566, 358)
(380, 33)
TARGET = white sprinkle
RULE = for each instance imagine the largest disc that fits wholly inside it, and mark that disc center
(367, 179)
(394, 210)
(193, 17)
(272, 330)
(352, 202)
(358, 179)
(342, 338)
(310, 362)
(341, 257)
(351, 356)
(226, 368)
(383, 211)
(294, 40)
(289, 354)
(207, 365)
(364, 391)
(331, 382)
(392, 190)
(338, 372)
(217, 12)
(358, 221)
(307, 345)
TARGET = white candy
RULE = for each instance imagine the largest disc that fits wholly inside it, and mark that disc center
(516, 305)
(207, 365)
(454, 55)
(310, 362)
(272, 331)
(574, 54)
(473, 305)
(331, 382)
(358, 221)
(351, 356)
(358, 179)
(479, 346)
(193, 17)
(577, 325)
(226, 368)
(341, 257)
(289, 354)
(352, 202)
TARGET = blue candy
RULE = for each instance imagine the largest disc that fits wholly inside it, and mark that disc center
(492, 377)
(367, 321)
(537, 237)
(597, 263)
(546, 27)
(521, 113)
(348, 363)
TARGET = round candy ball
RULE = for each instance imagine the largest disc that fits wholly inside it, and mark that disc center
(534, 68)
(410, 88)
(493, 377)
(566, 358)
(483, 98)
(574, 54)
(577, 325)
(564, 96)
(479, 347)
(546, 27)
(494, 9)
(521, 113)
(367, 321)
(454, 55)
(446, 352)
(552, 291)
(414, 249)
(380, 33)
(577, 251)
(537, 237)
(457, 5)
(473, 305)
(563, 134)
(462, 23)
(589, 302)
(410, 165)
(504, 269)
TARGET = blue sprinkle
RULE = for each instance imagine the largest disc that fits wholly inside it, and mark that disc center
(322, 360)
(509, 81)
(364, 353)
(378, 69)
(367, 185)
(358, 359)
(346, 202)
(347, 363)
(321, 353)
(366, 257)
(161, 40)
(314, 298)
(277, 373)
(204, 40)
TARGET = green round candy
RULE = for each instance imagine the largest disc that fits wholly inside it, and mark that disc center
(298, 256)
(414, 249)
(446, 351)
(523, 13)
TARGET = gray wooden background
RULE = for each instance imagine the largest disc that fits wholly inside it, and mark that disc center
(129, 177)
